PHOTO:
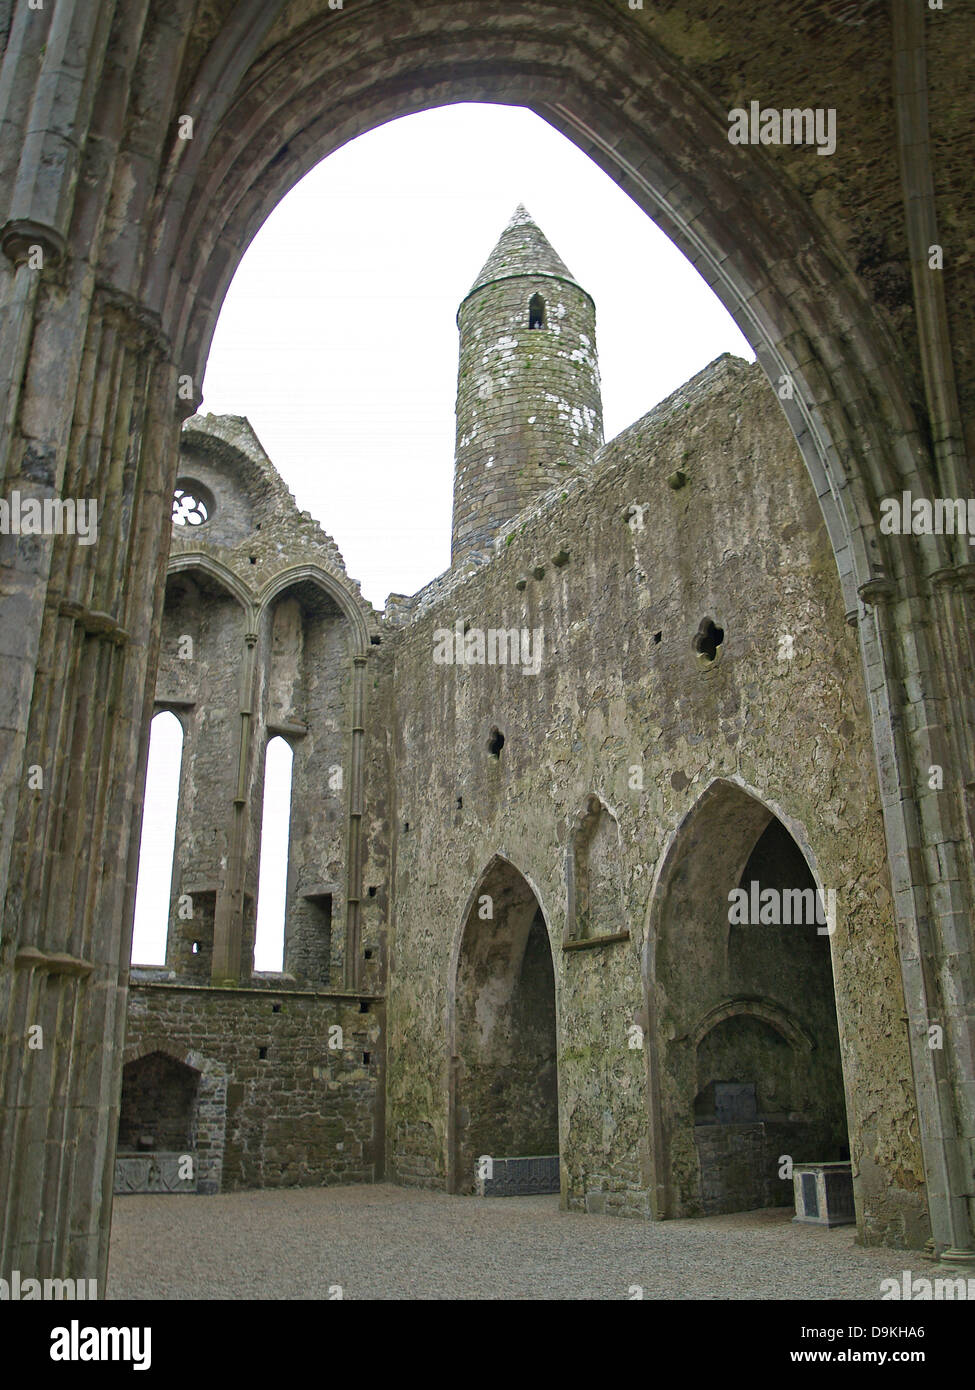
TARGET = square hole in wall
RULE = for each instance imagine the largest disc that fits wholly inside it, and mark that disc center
(366, 1057)
(275, 1008)
(262, 1054)
(363, 1006)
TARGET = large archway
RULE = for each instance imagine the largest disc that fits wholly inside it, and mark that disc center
(143, 220)
(747, 1065)
(866, 420)
(504, 1090)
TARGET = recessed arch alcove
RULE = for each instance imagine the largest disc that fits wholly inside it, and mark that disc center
(173, 1108)
(309, 640)
(503, 1099)
(746, 1064)
(158, 1105)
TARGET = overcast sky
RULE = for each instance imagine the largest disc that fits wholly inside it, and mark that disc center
(338, 336)
(338, 341)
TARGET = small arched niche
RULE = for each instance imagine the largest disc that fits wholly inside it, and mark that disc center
(158, 1107)
(536, 312)
(595, 876)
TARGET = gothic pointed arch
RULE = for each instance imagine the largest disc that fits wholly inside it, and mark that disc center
(357, 612)
(744, 1048)
(502, 1079)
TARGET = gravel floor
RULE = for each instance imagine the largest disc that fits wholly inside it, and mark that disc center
(388, 1242)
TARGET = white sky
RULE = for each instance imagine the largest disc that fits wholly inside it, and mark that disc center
(338, 341)
(338, 338)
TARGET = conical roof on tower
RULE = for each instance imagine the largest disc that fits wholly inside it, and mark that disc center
(523, 249)
(528, 399)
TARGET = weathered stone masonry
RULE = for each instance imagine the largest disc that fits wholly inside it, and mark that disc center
(604, 807)
(622, 688)
(265, 636)
(301, 1112)
(824, 263)
(528, 401)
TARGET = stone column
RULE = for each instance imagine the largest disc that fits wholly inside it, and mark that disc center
(353, 964)
(66, 927)
(229, 967)
(929, 901)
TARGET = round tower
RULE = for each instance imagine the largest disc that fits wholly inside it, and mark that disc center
(528, 404)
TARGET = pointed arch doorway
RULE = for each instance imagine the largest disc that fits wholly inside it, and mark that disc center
(503, 1097)
(748, 1066)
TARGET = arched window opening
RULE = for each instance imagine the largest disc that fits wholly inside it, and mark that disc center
(272, 882)
(536, 312)
(154, 886)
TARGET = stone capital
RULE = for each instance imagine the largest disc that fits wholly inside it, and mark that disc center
(18, 237)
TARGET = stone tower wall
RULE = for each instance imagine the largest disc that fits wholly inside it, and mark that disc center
(529, 410)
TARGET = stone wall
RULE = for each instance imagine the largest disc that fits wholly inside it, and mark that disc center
(299, 1112)
(702, 510)
(261, 632)
(308, 698)
(202, 639)
(265, 636)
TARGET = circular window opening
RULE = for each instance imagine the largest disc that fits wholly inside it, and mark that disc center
(192, 503)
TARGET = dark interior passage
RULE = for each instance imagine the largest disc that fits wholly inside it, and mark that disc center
(505, 1101)
(747, 1025)
(767, 1090)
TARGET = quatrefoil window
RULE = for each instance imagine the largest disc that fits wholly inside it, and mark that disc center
(192, 504)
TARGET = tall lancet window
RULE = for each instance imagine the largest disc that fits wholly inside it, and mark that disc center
(272, 881)
(154, 884)
(536, 312)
